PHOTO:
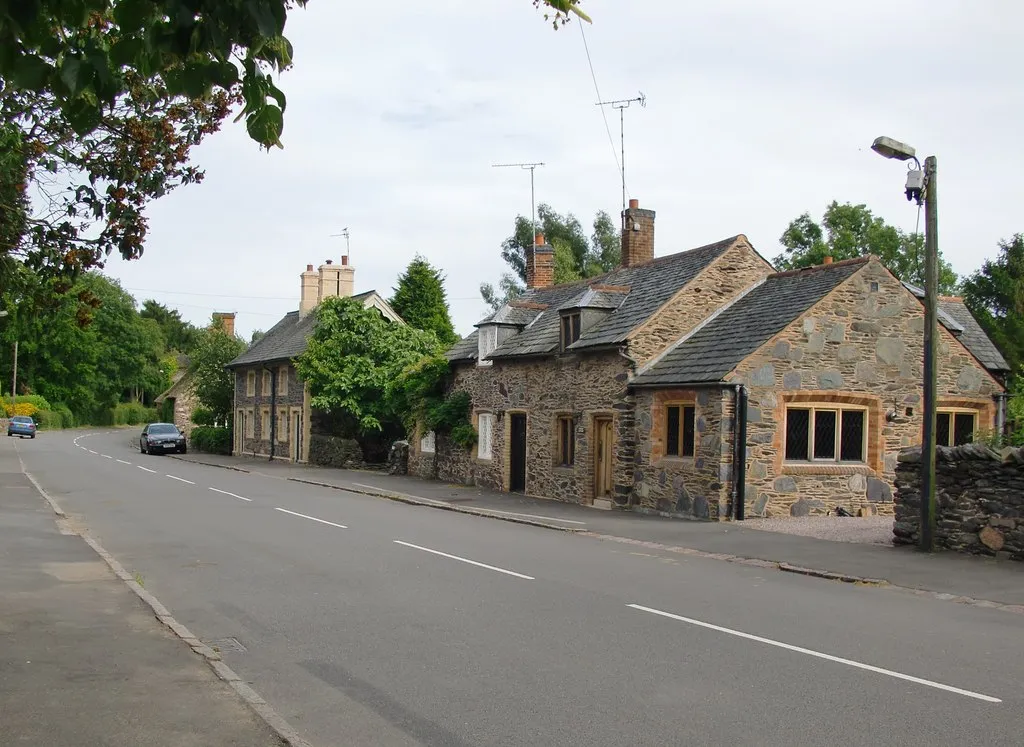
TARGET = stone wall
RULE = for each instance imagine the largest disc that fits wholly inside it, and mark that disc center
(334, 451)
(861, 345)
(694, 486)
(979, 496)
(738, 268)
(584, 386)
(259, 442)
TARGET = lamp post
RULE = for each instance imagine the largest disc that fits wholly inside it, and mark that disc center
(923, 187)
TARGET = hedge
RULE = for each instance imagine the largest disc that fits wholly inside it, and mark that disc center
(211, 440)
(26, 404)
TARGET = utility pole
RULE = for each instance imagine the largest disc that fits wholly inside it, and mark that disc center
(622, 105)
(14, 376)
(931, 332)
(531, 167)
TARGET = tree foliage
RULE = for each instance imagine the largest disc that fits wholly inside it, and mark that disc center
(995, 295)
(420, 395)
(178, 334)
(847, 231)
(576, 255)
(214, 384)
(352, 359)
(421, 301)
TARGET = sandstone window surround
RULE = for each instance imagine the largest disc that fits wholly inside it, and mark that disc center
(826, 432)
(264, 423)
(282, 381)
(565, 445)
(485, 432)
(428, 443)
(955, 426)
(250, 384)
(570, 329)
(266, 383)
(487, 341)
(680, 429)
(250, 420)
(282, 426)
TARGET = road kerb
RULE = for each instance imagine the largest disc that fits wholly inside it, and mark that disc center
(208, 464)
(281, 728)
(414, 500)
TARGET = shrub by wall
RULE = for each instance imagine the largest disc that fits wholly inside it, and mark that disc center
(211, 440)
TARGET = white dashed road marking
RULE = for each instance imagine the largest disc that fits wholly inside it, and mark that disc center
(464, 560)
(122, 461)
(818, 654)
(147, 469)
(180, 479)
(311, 518)
(239, 497)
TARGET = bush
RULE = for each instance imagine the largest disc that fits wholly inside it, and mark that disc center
(26, 404)
(211, 440)
(67, 417)
(167, 410)
(50, 420)
(132, 413)
(203, 416)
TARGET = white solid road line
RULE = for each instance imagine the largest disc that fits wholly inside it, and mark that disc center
(239, 497)
(180, 479)
(464, 560)
(819, 655)
(480, 508)
(311, 518)
(122, 461)
(147, 469)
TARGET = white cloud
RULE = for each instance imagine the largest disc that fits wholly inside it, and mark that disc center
(756, 112)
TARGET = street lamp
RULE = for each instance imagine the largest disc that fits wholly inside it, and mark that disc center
(922, 187)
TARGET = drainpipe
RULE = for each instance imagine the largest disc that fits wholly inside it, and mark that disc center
(273, 410)
(739, 430)
(1001, 414)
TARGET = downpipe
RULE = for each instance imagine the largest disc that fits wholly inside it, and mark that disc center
(739, 460)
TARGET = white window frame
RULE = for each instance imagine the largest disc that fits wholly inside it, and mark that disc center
(953, 412)
(428, 443)
(485, 429)
(838, 408)
(487, 341)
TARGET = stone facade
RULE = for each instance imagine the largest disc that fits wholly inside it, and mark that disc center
(582, 386)
(251, 438)
(183, 394)
(979, 496)
(860, 346)
(717, 284)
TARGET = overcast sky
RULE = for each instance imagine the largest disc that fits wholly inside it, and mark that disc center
(756, 112)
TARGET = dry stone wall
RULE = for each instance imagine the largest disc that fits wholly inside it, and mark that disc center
(979, 496)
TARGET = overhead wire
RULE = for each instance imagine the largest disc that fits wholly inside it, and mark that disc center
(604, 115)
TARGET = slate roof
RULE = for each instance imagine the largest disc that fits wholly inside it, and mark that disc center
(958, 319)
(510, 314)
(650, 285)
(465, 349)
(725, 340)
(284, 340)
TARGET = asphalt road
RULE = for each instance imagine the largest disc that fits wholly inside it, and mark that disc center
(369, 622)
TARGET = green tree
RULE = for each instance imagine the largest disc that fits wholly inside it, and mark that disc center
(257, 335)
(847, 231)
(995, 295)
(420, 300)
(589, 257)
(214, 384)
(178, 334)
(352, 359)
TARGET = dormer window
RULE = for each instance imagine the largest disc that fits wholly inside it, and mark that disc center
(487, 341)
(570, 329)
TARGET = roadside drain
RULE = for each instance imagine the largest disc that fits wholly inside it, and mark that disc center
(226, 644)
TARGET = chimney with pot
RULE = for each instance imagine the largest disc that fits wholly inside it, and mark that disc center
(330, 280)
(227, 320)
(346, 278)
(637, 235)
(540, 264)
(828, 260)
(310, 291)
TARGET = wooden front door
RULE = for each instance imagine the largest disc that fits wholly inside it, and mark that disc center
(603, 458)
(517, 454)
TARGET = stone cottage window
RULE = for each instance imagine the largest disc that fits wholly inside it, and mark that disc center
(680, 429)
(570, 329)
(265, 424)
(266, 383)
(250, 384)
(565, 448)
(485, 427)
(250, 419)
(427, 443)
(955, 427)
(826, 433)
(487, 341)
(282, 380)
(282, 426)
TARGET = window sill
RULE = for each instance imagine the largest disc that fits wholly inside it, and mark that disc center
(487, 459)
(565, 469)
(826, 468)
(674, 461)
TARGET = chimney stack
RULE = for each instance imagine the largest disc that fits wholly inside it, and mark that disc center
(310, 291)
(227, 321)
(828, 260)
(540, 264)
(637, 235)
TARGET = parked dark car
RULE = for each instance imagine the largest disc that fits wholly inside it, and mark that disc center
(23, 426)
(161, 438)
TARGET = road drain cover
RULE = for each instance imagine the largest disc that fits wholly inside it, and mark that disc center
(227, 644)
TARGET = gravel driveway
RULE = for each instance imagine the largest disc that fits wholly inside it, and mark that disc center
(869, 530)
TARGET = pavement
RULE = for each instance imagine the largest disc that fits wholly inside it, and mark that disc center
(961, 577)
(364, 621)
(84, 661)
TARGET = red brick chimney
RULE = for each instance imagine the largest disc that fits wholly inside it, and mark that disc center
(637, 235)
(540, 264)
(227, 320)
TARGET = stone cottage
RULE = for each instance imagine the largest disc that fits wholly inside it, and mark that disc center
(272, 413)
(636, 388)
